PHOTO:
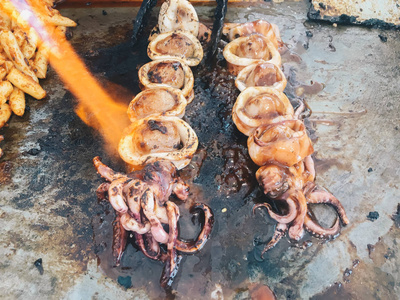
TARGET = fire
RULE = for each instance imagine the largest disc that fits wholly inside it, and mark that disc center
(96, 107)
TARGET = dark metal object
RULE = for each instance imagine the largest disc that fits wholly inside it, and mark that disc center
(141, 18)
(219, 17)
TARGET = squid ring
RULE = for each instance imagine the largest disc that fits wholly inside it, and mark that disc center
(176, 44)
(156, 137)
(171, 72)
(285, 143)
(258, 106)
(240, 52)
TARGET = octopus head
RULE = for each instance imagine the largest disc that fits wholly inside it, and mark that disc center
(273, 180)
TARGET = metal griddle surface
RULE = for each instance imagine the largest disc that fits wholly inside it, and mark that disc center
(49, 210)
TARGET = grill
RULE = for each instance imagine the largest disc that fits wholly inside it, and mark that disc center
(48, 205)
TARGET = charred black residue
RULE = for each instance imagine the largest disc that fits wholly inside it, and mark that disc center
(396, 217)
(373, 216)
(157, 125)
(39, 265)
(315, 15)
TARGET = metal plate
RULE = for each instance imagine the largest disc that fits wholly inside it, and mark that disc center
(48, 208)
(382, 13)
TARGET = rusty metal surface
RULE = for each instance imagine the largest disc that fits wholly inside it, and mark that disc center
(383, 13)
(48, 208)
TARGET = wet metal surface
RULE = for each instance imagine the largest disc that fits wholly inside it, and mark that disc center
(368, 12)
(49, 211)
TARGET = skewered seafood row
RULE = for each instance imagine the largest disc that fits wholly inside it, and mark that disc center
(156, 145)
(278, 140)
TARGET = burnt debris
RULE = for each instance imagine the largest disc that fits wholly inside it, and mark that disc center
(39, 265)
(373, 216)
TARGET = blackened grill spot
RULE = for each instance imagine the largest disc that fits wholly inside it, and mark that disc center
(156, 125)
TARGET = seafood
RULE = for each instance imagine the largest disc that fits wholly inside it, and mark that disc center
(156, 145)
(166, 101)
(141, 201)
(171, 72)
(258, 106)
(248, 50)
(158, 137)
(176, 44)
(261, 74)
(278, 140)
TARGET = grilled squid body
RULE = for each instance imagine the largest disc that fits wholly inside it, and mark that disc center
(166, 101)
(258, 106)
(176, 44)
(178, 15)
(157, 137)
(270, 31)
(261, 74)
(248, 50)
(285, 143)
(170, 72)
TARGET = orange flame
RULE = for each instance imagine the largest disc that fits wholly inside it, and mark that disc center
(96, 108)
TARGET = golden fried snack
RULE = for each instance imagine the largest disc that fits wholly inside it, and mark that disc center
(5, 114)
(26, 83)
(17, 102)
(41, 61)
(11, 48)
(5, 90)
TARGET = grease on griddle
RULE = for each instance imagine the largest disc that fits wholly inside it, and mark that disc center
(236, 174)
(126, 281)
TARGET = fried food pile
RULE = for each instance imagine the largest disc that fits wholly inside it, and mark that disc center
(23, 56)
(278, 140)
(156, 145)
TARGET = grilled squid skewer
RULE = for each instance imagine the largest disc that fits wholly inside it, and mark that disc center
(278, 141)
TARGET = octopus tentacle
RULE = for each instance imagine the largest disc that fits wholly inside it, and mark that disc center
(152, 244)
(172, 262)
(299, 110)
(116, 195)
(142, 246)
(105, 171)
(309, 164)
(130, 224)
(133, 191)
(120, 236)
(147, 201)
(181, 190)
(279, 233)
(204, 235)
(317, 230)
(296, 229)
(285, 219)
(320, 196)
(102, 190)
